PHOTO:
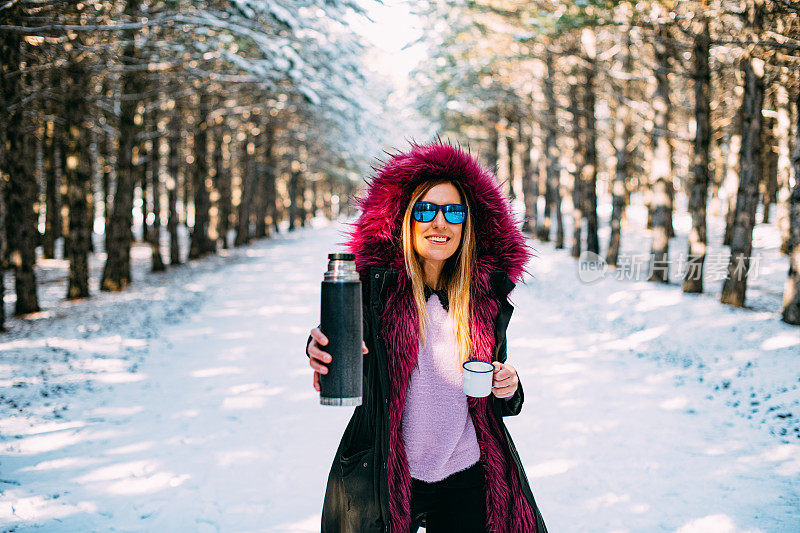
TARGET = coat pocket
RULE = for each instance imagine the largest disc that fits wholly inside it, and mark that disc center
(357, 479)
(356, 464)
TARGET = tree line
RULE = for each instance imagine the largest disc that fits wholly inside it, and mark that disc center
(232, 119)
(229, 118)
(697, 97)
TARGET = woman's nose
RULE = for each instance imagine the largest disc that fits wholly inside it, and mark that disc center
(439, 221)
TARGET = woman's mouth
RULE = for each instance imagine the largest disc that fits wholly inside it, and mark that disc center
(438, 239)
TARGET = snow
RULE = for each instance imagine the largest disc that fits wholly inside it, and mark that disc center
(186, 402)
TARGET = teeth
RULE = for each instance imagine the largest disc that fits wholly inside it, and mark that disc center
(438, 239)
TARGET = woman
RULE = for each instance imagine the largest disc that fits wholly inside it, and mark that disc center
(433, 222)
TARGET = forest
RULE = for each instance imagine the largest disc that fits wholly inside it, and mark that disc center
(127, 122)
(221, 117)
(569, 100)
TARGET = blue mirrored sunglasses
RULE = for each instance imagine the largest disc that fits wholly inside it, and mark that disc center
(426, 211)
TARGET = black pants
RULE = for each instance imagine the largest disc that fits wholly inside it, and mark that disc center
(457, 503)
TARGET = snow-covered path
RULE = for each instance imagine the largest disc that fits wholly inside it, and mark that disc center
(218, 427)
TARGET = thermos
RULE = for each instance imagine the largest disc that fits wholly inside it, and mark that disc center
(341, 323)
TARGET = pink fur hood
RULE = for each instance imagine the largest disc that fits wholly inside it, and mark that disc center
(375, 238)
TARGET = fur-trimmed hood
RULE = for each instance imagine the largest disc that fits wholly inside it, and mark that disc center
(500, 247)
(376, 236)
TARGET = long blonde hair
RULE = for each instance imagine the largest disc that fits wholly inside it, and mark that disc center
(456, 273)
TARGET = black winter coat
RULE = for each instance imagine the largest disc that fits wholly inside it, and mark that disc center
(356, 497)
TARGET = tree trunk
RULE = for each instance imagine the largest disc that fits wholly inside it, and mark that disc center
(784, 165)
(693, 277)
(264, 183)
(222, 179)
(791, 292)
(660, 207)
(294, 188)
(318, 204)
(623, 128)
(141, 166)
(493, 128)
(275, 208)
(52, 191)
(258, 207)
(246, 195)
(659, 253)
(62, 214)
(95, 184)
(79, 178)
(327, 208)
(18, 165)
(578, 159)
(530, 178)
(201, 243)
(557, 200)
(662, 166)
(769, 161)
(735, 286)
(718, 168)
(302, 186)
(512, 194)
(173, 171)
(551, 152)
(3, 245)
(186, 183)
(544, 229)
(622, 135)
(590, 168)
(731, 184)
(270, 179)
(156, 261)
(108, 178)
(3, 231)
(117, 271)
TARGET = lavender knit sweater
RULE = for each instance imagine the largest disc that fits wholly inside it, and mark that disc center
(437, 428)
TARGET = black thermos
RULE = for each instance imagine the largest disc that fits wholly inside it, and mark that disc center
(341, 324)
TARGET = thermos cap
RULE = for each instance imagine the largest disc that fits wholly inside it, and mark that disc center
(341, 257)
(341, 267)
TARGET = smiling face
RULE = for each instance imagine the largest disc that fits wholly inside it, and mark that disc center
(437, 240)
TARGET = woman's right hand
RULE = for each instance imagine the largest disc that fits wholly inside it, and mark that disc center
(318, 359)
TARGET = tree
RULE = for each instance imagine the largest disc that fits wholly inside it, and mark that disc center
(552, 198)
(750, 170)
(791, 292)
(623, 131)
(589, 51)
(17, 165)
(154, 174)
(117, 270)
(693, 277)
(78, 176)
(201, 243)
(175, 144)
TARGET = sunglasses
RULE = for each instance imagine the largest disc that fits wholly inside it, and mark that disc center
(426, 211)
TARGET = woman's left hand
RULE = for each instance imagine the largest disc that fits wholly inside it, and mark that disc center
(504, 380)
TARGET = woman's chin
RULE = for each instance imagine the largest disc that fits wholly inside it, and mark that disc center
(436, 254)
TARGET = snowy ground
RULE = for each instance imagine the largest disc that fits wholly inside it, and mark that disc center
(186, 404)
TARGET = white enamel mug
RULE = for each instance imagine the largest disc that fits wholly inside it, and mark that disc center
(478, 378)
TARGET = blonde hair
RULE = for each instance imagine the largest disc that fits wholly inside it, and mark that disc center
(456, 273)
